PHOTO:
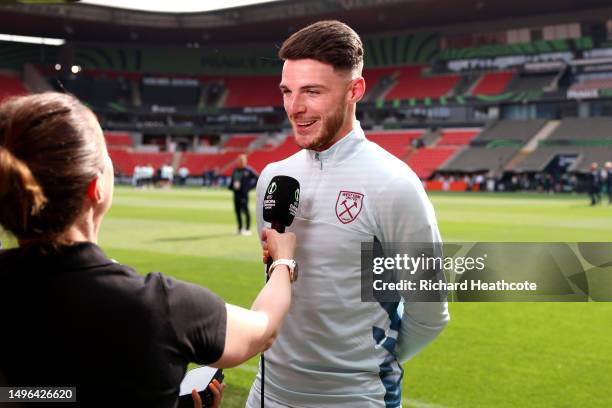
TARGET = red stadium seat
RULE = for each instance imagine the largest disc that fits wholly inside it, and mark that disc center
(11, 86)
(239, 142)
(457, 137)
(427, 160)
(411, 84)
(492, 83)
(118, 139)
(260, 158)
(198, 163)
(252, 91)
(395, 142)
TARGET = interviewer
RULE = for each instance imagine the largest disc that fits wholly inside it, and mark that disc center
(71, 316)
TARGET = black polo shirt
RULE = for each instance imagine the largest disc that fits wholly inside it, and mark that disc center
(77, 318)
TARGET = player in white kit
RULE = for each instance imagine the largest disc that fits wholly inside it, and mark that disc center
(333, 349)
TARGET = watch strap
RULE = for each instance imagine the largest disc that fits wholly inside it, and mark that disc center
(290, 263)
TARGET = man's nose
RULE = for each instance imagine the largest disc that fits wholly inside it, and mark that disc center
(296, 105)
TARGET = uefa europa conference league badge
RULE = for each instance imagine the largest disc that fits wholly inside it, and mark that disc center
(269, 201)
(287, 196)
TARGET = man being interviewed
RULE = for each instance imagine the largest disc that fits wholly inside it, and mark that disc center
(330, 352)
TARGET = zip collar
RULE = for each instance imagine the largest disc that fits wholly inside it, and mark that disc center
(341, 150)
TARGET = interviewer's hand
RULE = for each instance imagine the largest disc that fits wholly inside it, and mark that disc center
(277, 245)
(197, 401)
(217, 390)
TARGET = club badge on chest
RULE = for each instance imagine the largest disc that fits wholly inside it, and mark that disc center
(348, 206)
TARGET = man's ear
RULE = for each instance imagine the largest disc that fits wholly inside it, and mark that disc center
(357, 90)
(93, 190)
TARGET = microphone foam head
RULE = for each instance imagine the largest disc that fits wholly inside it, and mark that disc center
(281, 200)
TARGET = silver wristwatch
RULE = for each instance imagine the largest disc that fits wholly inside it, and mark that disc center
(290, 263)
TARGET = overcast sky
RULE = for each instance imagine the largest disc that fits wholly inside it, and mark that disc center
(175, 6)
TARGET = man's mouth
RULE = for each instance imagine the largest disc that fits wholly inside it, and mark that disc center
(304, 124)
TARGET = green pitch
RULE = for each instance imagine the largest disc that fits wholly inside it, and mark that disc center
(491, 355)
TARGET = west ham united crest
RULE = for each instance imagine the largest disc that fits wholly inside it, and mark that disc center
(348, 206)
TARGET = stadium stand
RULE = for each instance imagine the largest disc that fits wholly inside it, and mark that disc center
(591, 85)
(252, 91)
(124, 160)
(396, 143)
(424, 162)
(587, 139)
(494, 147)
(432, 80)
(170, 91)
(542, 157)
(457, 137)
(11, 85)
(492, 83)
(412, 84)
(260, 158)
(114, 139)
(239, 142)
(97, 89)
(198, 163)
(510, 130)
(583, 129)
(378, 80)
(526, 83)
(480, 159)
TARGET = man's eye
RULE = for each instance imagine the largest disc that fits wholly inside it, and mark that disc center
(310, 92)
(285, 92)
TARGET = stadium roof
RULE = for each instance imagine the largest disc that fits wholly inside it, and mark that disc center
(176, 6)
(274, 21)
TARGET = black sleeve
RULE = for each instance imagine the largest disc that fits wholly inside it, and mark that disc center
(253, 178)
(199, 319)
(230, 185)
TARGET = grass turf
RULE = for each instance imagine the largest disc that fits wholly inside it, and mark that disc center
(491, 355)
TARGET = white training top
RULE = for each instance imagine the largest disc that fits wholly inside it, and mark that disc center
(333, 349)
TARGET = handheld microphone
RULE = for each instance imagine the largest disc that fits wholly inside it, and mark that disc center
(281, 202)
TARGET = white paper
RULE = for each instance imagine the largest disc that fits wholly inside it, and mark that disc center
(198, 378)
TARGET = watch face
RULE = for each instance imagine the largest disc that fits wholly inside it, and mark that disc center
(295, 271)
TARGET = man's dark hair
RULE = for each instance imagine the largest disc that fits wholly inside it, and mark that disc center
(331, 42)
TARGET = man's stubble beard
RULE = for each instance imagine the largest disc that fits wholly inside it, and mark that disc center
(331, 126)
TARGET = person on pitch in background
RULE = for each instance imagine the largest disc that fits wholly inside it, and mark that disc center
(335, 350)
(80, 319)
(608, 170)
(242, 181)
(593, 183)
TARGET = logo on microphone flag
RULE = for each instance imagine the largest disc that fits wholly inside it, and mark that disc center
(348, 206)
